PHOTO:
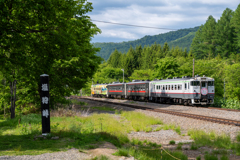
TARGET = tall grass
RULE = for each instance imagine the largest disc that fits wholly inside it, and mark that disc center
(210, 139)
(82, 132)
(139, 121)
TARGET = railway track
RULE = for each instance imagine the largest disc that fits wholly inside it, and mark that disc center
(188, 115)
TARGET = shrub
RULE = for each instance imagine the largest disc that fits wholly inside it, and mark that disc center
(179, 146)
(194, 147)
(122, 152)
(210, 157)
(172, 142)
(224, 157)
(198, 158)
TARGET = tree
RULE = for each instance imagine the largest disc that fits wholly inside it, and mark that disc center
(166, 68)
(165, 48)
(51, 37)
(141, 75)
(114, 59)
(232, 74)
(224, 36)
(204, 44)
(235, 22)
(129, 62)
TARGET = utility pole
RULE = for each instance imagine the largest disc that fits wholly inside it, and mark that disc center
(91, 87)
(193, 68)
(123, 74)
(224, 89)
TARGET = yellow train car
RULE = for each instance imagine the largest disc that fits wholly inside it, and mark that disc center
(99, 90)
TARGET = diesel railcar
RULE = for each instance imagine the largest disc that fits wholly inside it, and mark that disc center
(99, 90)
(186, 90)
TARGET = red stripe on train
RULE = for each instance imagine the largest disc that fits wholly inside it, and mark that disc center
(138, 91)
(115, 91)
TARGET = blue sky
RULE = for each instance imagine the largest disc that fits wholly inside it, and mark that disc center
(173, 14)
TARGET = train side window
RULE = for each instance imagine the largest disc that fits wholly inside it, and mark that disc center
(172, 87)
(166, 87)
(188, 85)
(169, 87)
(185, 86)
(180, 86)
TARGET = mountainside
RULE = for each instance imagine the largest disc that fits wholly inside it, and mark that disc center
(182, 38)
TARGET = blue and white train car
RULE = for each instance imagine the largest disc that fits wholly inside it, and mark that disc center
(186, 90)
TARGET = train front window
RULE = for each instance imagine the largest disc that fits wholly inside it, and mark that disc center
(203, 84)
(195, 83)
(210, 83)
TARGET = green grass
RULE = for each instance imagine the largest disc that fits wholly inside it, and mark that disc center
(193, 146)
(104, 108)
(77, 102)
(179, 146)
(102, 157)
(210, 139)
(170, 127)
(220, 142)
(74, 132)
(82, 131)
(210, 157)
(122, 152)
(139, 121)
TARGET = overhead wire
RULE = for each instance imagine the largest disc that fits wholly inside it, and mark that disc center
(133, 25)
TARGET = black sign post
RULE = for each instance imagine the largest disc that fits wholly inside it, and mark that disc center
(44, 79)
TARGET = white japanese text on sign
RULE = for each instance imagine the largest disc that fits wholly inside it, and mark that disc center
(44, 87)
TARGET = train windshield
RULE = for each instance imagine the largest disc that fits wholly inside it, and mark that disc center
(195, 83)
(210, 83)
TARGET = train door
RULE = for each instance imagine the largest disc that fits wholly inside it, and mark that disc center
(125, 90)
(185, 90)
(204, 88)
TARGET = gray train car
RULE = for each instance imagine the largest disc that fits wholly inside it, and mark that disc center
(137, 90)
(116, 90)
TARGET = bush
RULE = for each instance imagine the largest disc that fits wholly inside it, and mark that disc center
(210, 157)
(122, 152)
(230, 103)
(194, 147)
(172, 142)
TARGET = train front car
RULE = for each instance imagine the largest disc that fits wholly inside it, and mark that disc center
(99, 90)
(185, 90)
(203, 90)
(116, 90)
(137, 90)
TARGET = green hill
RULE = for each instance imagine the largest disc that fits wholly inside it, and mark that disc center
(182, 38)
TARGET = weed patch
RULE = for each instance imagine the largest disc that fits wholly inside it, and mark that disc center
(139, 121)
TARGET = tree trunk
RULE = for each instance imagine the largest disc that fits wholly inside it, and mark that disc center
(13, 97)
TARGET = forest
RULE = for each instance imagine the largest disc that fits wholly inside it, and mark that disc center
(181, 38)
(215, 48)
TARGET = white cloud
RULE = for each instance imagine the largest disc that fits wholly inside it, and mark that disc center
(174, 14)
